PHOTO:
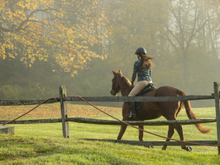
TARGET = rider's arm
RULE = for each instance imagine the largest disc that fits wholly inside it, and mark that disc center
(134, 74)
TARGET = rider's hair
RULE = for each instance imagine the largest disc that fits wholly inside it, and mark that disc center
(146, 61)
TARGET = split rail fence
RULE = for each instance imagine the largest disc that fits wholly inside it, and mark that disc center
(65, 119)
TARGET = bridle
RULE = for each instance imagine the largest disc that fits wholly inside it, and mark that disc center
(113, 84)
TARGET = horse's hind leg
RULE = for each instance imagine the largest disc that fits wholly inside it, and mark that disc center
(170, 134)
(179, 129)
(122, 131)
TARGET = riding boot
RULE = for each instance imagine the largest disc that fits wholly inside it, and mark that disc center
(132, 110)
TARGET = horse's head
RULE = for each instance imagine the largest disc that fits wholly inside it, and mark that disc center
(115, 82)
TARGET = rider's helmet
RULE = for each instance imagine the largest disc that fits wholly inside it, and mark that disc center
(141, 50)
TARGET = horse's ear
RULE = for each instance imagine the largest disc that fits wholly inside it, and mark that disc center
(113, 72)
(119, 71)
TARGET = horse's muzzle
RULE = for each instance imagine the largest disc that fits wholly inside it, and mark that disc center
(113, 92)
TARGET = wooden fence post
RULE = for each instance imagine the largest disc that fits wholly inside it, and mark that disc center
(64, 114)
(217, 108)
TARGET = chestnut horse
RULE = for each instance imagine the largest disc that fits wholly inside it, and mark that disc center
(153, 110)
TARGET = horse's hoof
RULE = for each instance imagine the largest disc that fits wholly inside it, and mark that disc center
(190, 149)
(164, 148)
(150, 146)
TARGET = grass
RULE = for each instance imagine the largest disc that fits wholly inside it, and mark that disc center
(38, 150)
(44, 144)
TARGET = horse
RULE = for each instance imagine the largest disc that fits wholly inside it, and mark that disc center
(153, 110)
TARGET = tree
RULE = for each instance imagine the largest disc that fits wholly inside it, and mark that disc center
(60, 30)
(135, 23)
(188, 32)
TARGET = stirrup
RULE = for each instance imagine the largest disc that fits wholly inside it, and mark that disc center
(130, 115)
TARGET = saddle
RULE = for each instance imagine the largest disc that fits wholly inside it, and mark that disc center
(150, 87)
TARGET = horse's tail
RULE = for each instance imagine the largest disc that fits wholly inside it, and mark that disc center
(190, 114)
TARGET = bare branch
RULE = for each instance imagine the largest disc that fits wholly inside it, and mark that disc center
(200, 28)
(31, 14)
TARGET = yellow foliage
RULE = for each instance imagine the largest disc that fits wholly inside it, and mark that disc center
(29, 31)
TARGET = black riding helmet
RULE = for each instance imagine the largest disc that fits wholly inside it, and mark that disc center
(141, 50)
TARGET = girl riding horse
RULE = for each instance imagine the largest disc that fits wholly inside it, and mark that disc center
(142, 68)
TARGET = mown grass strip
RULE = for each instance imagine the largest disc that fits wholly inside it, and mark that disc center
(30, 150)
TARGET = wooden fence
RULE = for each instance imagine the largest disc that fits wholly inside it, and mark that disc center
(65, 119)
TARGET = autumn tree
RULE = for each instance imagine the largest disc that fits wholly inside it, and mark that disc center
(60, 30)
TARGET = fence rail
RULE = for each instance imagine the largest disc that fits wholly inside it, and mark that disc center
(139, 98)
(32, 121)
(26, 102)
(111, 122)
(107, 99)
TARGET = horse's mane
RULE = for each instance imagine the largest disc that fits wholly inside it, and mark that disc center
(126, 81)
(123, 78)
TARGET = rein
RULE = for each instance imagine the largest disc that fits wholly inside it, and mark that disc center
(126, 88)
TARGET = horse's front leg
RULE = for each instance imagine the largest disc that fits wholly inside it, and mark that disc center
(125, 111)
(122, 131)
(141, 133)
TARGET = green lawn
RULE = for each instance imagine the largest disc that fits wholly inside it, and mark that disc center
(38, 150)
(44, 144)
